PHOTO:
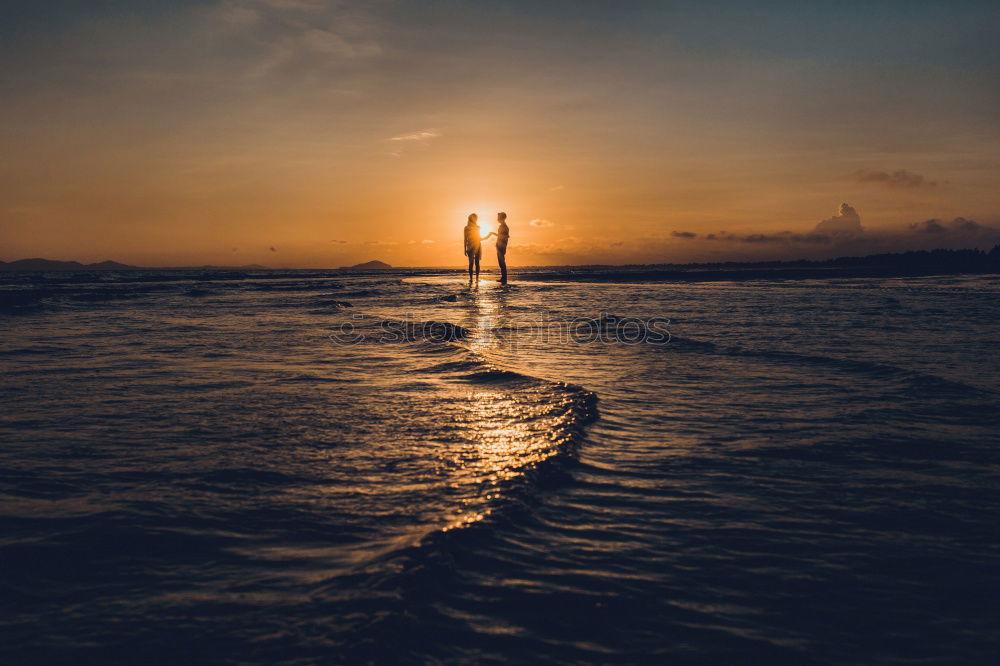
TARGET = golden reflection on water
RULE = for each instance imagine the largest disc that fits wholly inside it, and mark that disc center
(511, 428)
(486, 314)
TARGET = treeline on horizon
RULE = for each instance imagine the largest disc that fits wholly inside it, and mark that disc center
(969, 259)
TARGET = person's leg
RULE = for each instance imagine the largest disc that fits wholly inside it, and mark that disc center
(469, 254)
(502, 260)
(478, 256)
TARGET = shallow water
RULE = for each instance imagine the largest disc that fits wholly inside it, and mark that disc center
(303, 467)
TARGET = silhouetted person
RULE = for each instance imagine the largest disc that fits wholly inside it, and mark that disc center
(503, 235)
(473, 245)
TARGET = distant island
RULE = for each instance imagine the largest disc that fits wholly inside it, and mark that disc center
(367, 266)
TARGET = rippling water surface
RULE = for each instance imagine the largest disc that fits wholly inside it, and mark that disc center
(308, 467)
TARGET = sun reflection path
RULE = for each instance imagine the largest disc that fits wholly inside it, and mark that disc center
(511, 422)
(510, 433)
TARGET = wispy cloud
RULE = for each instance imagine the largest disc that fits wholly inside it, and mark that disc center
(959, 224)
(419, 138)
(303, 36)
(294, 5)
(238, 14)
(787, 237)
(683, 234)
(540, 223)
(899, 178)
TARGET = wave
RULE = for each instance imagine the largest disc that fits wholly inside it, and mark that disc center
(34, 351)
(876, 370)
(394, 331)
(494, 375)
(15, 301)
(297, 285)
(544, 416)
(33, 299)
(327, 305)
(362, 293)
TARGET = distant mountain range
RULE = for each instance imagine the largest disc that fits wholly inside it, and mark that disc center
(38, 264)
(51, 265)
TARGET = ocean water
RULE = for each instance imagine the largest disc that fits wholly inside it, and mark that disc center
(309, 467)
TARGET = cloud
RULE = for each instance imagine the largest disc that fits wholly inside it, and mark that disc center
(273, 249)
(787, 237)
(238, 14)
(294, 5)
(340, 242)
(683, 234)
(319, 41)
(845, 222)
(557, 188)
(295, 38)
(967, 225)
(899, 178)
(419, 137)
(959, 224)
(427, 242)
(958, 233)
(539, 223)
(382, 243)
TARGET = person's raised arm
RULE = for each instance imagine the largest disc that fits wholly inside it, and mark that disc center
(492, 233)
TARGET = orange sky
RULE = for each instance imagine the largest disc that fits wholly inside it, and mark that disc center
(310, 134)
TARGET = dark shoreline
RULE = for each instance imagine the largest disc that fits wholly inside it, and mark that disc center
(741, 275)
(921, 263)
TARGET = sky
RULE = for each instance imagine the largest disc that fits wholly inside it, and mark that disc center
(302, 133)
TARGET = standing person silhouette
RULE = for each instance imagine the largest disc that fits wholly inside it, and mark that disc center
(503, 235)
(473, 244)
